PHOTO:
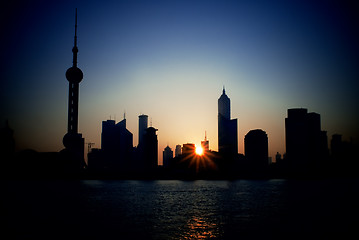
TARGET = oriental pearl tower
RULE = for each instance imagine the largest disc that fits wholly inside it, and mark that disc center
(73, 141)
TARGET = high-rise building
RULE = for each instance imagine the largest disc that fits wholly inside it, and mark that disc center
(227, 128)
(224, 105)
(305, 142)
(150, 149)
(167, 156)
(142, 126)
(117, 145)
(188, 149)
(108, 136)
(125, 145)
(73, 141)
(178, 150)
(256, 148)
(205, 143)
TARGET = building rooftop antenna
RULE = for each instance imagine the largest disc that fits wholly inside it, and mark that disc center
(205, 135)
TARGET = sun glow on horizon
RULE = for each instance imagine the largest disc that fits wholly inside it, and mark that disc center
(199, 150)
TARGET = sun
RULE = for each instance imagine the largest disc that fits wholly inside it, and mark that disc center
(199, 150)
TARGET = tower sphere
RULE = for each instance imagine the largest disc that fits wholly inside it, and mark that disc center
(74, 74)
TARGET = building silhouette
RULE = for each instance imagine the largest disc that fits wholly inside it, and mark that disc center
(142, 126)
(167, 156)
(108, 136)
(73, 141)
(178, 150)
(256, 149)
(227, 132)
(336, 146)
(146, 160)
(278, 157)
(150, 150)
(117, 146)
(188, 149)
(344, 156)
(306, 144)
(205, 144)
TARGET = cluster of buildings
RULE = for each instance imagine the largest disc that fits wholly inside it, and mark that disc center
(118, 155)
(306, 148)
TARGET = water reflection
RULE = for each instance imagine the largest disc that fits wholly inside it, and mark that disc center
(276, 209)
(200, 228)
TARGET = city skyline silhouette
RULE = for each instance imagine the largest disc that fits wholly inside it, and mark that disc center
(194, 119)
(181, 76)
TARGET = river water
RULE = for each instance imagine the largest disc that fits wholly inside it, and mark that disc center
(171, 209)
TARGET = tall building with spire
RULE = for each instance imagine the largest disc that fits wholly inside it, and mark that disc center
(73, 141)
(227, 128)
(205, 143)
(224, 105)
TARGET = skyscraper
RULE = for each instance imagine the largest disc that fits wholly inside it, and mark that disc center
(116, 144)
(150, 149)
(73, 141)
(205, 144)
(188, 149)
(142, 126)
(224, 105)
(178, 150)
(305, 145)
(108, 136)
(227, 128)
(167, 156)
(256, 148)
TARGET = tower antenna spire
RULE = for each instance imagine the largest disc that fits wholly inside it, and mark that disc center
(75, 49)
(75, 44)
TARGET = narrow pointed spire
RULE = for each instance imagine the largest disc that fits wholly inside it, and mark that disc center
(75, 49)
(224, 90)
(75, 43)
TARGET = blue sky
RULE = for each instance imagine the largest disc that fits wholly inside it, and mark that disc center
(170, 60)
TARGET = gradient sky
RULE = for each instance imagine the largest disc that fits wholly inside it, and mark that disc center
(170, 60)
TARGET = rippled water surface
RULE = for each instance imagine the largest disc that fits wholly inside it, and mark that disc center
(243, 209)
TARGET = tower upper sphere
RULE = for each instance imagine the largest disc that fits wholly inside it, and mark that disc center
(74, 75)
